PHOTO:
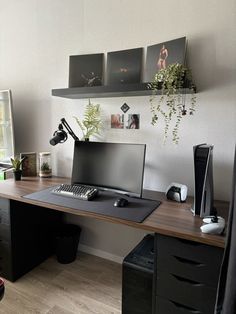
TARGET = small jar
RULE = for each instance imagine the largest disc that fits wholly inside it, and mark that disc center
(45, 168)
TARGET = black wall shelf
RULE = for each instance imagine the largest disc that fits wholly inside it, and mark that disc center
(104, 91)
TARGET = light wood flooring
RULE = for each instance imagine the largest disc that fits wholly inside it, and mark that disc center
(88, 285)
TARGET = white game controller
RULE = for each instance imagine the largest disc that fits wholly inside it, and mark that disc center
(213, 225)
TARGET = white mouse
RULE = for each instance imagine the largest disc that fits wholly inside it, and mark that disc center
(213, 227)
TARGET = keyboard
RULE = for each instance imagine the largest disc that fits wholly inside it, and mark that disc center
(78, 191)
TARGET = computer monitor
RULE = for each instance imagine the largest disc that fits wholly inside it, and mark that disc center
(117, 167)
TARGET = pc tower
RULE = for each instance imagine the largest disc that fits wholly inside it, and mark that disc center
(203, 175)
(137, 278)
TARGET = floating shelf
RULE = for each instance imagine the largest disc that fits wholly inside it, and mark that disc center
(121, 90)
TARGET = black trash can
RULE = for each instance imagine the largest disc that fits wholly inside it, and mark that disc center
(67, 241)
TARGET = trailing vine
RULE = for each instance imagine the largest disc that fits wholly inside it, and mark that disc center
(172, 104)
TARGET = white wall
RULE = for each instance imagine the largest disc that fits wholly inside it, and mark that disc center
(36, 39)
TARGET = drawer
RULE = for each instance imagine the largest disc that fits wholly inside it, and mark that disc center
(192, 294)
(191, 269)
(189, 259)
(165, 306)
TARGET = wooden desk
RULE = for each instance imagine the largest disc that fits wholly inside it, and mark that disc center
(170, 218)
(183, 255)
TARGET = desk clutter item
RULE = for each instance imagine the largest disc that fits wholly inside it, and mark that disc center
(45, 168)
(137, 210)
(177, 192)
(213, 225)
(80, 192)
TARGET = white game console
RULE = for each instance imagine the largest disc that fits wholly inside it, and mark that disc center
(213, 225)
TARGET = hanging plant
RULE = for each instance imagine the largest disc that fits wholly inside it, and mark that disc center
(172, 104)
(91, 124)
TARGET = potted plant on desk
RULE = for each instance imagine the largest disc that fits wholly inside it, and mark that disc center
(17, 163)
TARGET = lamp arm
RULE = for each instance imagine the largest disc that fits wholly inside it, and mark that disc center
(68, 128)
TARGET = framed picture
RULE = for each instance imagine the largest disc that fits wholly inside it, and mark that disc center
(29, 164)
(133, 121)
(117, 121)
(124, 67)
(86, 70)
(161, 55)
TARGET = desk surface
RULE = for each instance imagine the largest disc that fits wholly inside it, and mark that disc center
(170, 218)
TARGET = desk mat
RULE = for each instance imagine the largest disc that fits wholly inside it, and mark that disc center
(137, 209)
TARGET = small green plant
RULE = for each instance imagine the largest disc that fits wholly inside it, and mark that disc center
(17, 162)
(172, 104)
(45, 167)
(91, 124)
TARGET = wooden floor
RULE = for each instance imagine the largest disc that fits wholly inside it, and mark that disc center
(88, 285)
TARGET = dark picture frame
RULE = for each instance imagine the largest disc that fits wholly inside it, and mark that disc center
(86, 70)
(124, 66)
(161, 55)
(29, 164)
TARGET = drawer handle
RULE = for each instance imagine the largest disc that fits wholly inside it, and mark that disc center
(189, 309)
(188, 261)
(192, 282)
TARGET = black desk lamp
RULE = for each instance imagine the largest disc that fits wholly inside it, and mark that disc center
(60, 136)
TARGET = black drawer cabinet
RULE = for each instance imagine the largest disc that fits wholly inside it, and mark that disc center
(186, 275)
(26, 237)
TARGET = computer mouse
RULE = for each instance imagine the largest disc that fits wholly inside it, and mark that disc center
(121, 202)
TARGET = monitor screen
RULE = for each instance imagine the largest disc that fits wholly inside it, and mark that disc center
(110, 166)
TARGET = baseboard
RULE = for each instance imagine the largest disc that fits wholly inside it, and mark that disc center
(100, 253)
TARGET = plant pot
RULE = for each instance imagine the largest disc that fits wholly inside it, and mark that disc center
(45, 173)
(17, 174)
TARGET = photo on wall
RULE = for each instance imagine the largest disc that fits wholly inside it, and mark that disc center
(161, 55)
(86, 70)
(133, 121)
(117, 121)
(124, 67)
